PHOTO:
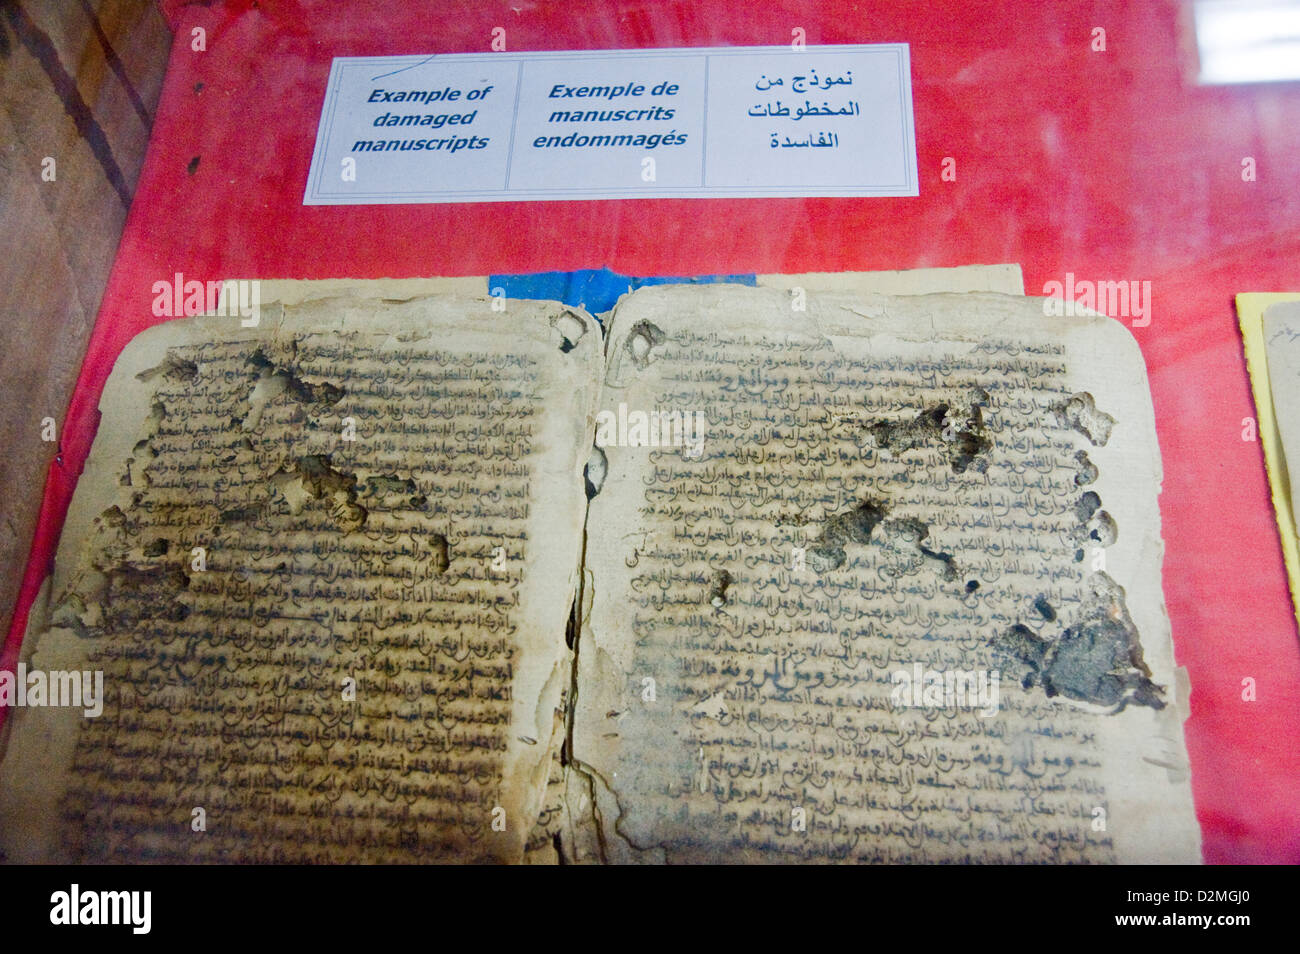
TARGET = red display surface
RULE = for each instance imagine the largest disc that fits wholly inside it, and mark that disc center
(1105, 164)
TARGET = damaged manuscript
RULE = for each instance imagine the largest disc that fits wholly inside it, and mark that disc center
(741, 576)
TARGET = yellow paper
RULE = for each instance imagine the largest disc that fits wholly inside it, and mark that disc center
(1250, 312)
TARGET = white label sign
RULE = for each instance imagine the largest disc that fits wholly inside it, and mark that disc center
(691, 123)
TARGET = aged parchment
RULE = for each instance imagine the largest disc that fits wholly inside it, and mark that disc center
(876, 492)
(326, 566)
(895, 598)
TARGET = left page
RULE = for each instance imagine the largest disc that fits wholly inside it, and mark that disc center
(314, 585)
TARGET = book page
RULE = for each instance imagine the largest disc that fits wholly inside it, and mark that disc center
(875, 580)
(1281, 324)
(1268, 323)
(324, 567)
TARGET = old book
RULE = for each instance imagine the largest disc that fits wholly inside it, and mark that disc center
(748, 574)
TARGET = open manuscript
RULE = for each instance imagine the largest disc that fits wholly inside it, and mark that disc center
(745, 575)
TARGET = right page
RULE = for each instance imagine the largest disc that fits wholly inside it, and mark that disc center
(874, 579)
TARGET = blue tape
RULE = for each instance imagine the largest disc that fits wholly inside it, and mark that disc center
(595, 289)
